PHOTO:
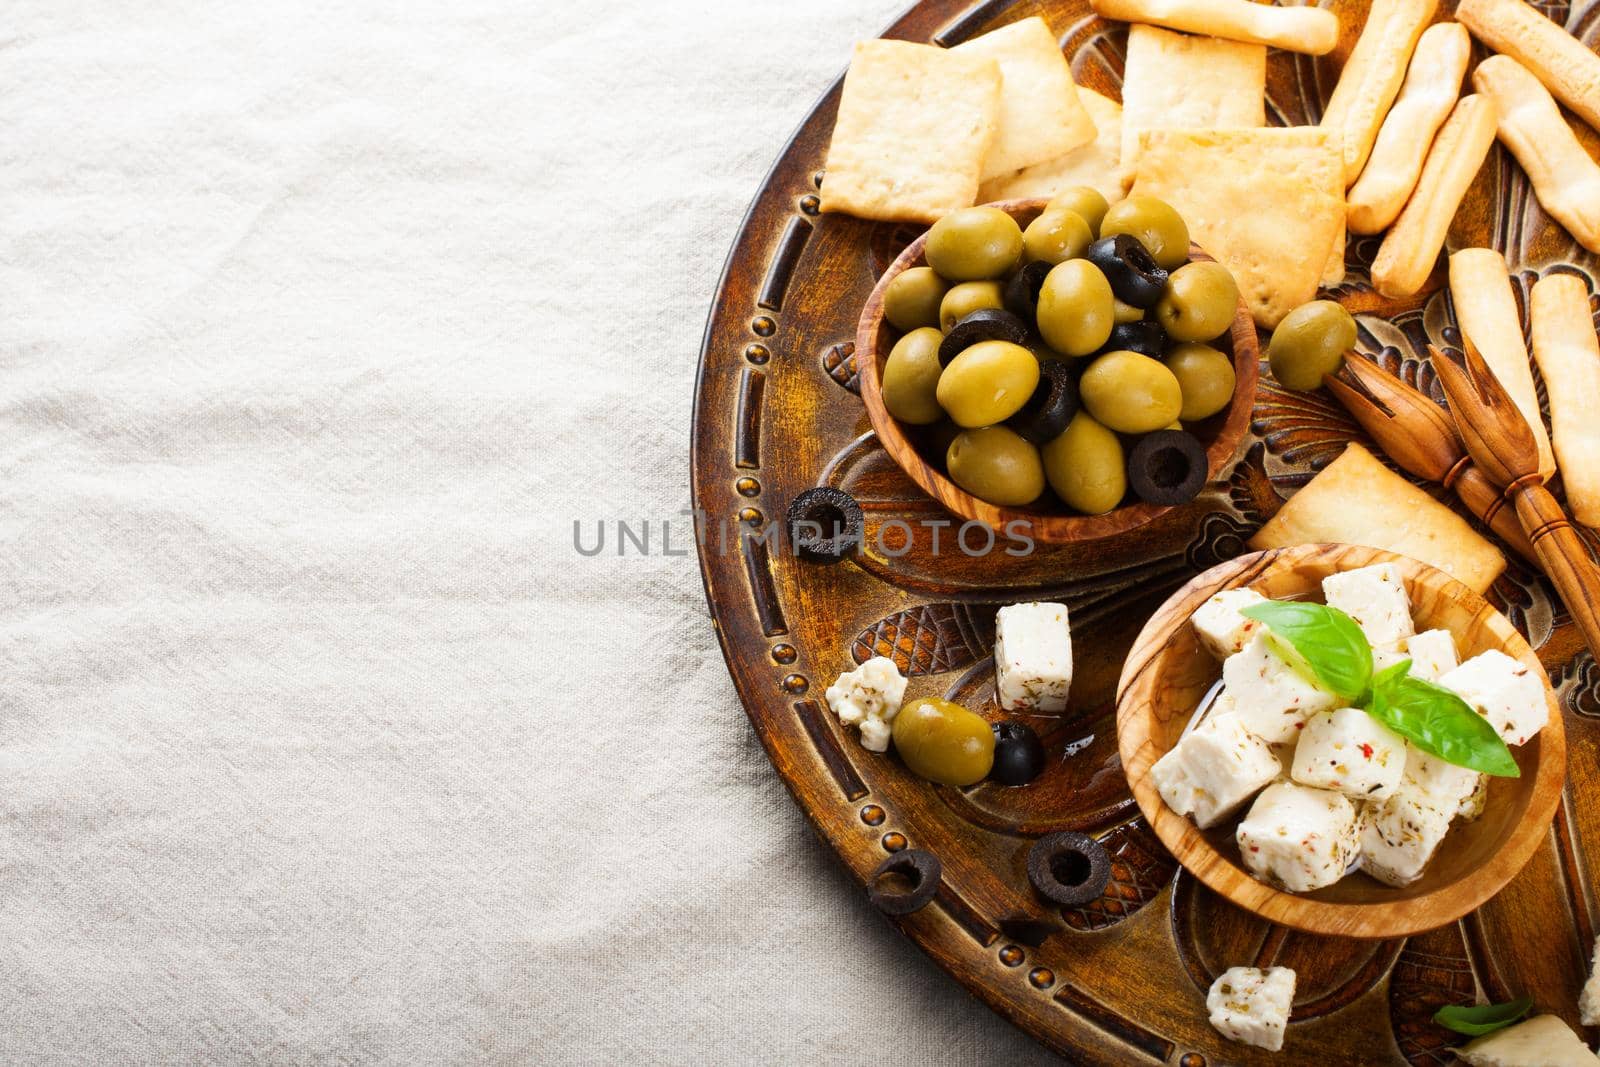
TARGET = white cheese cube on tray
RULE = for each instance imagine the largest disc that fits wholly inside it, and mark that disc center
(1542, 1041)
(1271, 698)
(1445, 785)
(1220, 624)
(1399, 837)
(1297, 837)
(1503, 690)
(1033, 657)
(1214, 769)
(1349, 751)
(1375, 597)
(1589, 998)
(869, 697)
(1252, 1005)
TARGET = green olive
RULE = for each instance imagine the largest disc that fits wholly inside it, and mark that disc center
(962, 300)
(1130, 393)
(944, 742)
(1085, 466)
(987, 383)
(1155, 223)
(995, 464)
(1122, 313)
(911, 377)
(1056, 236)
(912, 299)
(1087, 203)
(974, 243)
(1200, 303)
(1205, 376)
(1310, 341)
(1075, 308)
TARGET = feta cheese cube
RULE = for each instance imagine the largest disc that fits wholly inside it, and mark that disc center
(1384, 658)
(1542, 1041)
(1297, 837)
(1272, 699)
(1399, 836)
(1214, 769)
(1432, 654)
(1349, 751)
(1375, 597)
(1503, 690)
(1033, 657)
(1445, 785)
(1252, 1005)
(1221, 627)
(869, 697)
(1589, 998)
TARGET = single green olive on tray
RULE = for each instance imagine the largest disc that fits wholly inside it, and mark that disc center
(1310, 342)
(944, 742)
(995, 463)
(974, 244)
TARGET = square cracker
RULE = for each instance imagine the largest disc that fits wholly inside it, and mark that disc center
(1356, 500)
(913, 127)
(1041, 116)
(1094, 164)
(1267, 203)
(1179, 80)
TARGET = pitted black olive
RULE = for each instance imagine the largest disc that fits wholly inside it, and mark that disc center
(1051, 406)
(985, 324)
(1019, 755)
(1145, 338)
(1022, 289)
(825, 524)
(1167, 467)
(1134, 275)
(1069, 868)
(905, 882)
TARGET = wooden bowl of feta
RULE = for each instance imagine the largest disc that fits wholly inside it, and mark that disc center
(1313, 814)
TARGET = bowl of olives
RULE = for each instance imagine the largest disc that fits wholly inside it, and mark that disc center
(1076, 367)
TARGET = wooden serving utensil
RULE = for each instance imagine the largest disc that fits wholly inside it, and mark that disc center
(1419, 436)
(1502, 445)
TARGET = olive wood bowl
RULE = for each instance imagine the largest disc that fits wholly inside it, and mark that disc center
(1168, 672)
(1047, 520)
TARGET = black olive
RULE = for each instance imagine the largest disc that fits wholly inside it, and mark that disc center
(1051, 407)
(1167, 467)
(1022, 289)
(904, 882)
(985, 324)
(1134, 275)
(825, 524)
(1069, 868)
(1018, 754)
(1146, 338)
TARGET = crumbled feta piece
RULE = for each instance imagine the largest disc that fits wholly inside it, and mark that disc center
(1445, 785)
(1472, 806)
(1214, 769)
(1542, 1041)
(1297, 837)
(1375, 597)
(869, 697)
(1432, 654)
(1272, 699)
(1589, 998)
(1399, 836)
(1503, 690)
(1252, 1005)
(1033, 657)
(1221, 627)
(1349, 751)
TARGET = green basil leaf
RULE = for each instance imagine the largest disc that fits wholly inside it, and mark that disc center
(1440, 723)
(1481, 1019)
(1329, 642)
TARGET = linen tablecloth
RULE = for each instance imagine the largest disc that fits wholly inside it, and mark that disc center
(319, 743)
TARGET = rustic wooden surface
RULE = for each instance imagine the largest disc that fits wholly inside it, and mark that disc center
(1121, 980)
(1167, 673)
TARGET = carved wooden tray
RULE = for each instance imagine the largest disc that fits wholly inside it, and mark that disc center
(1121, 980)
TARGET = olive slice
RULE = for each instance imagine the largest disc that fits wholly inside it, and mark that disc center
(1069, 868)
(985, 324)
(1019, 755)
(1145, 338)
(1050, 408)
(905, 882)
(825, 524)
(1134, 275)
(1022, 289)
(1167, 467)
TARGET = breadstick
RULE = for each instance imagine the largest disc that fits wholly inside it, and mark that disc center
(1372, 75)
(1562, 62)
(1430, 90)
(1408, 252)
(1312, 30)
(1564, 343)
(1480, 289)
(1565, 179)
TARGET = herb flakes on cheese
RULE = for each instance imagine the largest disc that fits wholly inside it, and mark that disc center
(1251, 1005)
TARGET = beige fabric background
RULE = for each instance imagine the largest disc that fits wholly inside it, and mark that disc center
(322, 322)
